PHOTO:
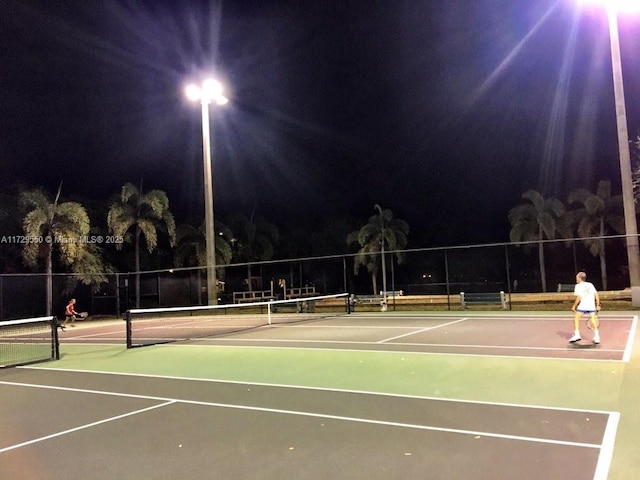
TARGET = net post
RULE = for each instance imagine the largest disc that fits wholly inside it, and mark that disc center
(55, 341)
(269, 312)
(127, 318)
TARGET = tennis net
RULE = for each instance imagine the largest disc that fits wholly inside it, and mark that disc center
(28, 341)
(150, 326)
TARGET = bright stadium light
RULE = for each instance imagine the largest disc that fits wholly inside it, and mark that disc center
(614, 7)
(209, 91)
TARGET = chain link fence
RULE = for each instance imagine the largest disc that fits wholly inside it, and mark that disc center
(508, 267)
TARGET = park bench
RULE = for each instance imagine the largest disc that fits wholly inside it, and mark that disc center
(377, 299)
(368, 299)
(265, 295)
(393, 293)
(497, 298)
(301, 292)
(253, 296)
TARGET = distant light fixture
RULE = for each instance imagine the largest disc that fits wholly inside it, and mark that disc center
(193, 92)
(209, 91)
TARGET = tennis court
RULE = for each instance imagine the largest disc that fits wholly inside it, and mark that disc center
(393, 395)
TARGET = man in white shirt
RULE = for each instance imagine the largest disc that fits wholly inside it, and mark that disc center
(587, 303)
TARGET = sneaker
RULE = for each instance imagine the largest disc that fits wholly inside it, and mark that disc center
(596, 338)
(576, 338)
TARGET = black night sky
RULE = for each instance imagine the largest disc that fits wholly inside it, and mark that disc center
(443, 111)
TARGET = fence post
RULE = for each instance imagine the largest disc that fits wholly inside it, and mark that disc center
(446, 273)
(508, 267)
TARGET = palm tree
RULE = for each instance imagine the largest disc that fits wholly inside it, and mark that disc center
(59, 225)
(254, 241)
(598, 211)
(382, 232)
(191, 245)
(191, 248)
(536, 221)
(134, 214)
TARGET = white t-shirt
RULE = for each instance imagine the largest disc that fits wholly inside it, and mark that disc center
(587, 293)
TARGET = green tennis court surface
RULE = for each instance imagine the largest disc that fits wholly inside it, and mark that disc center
(360, 396)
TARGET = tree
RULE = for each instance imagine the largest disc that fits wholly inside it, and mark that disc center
(536, 221)
(191, 248)
(49, 225)
(381, 231)
(254, 241)
(134, 214)
(599, 211)
(191, 245)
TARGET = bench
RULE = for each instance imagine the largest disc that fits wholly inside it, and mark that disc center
(393, 293)
(368, 299)
(566, 287)
(497, 298)
(253, 296)
(265, 295)
(301, 292)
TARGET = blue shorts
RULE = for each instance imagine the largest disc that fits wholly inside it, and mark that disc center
(587, 312)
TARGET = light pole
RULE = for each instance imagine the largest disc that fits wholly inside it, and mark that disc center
(384, 267)
(209, 91)
(631, 226)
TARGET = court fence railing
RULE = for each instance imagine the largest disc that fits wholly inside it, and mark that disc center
(436, 273)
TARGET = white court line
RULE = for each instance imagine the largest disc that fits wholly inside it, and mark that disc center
(400, 344)
(81, 427)
(606, 452)
(168, 401)
(88, 335)
(382, 352)
(422, 330)
(630, 339)
(219, 343)
(304, 387)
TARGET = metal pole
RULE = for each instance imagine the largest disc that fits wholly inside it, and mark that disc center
(508, 268)
(384, 268)
(344, 273)
(631, 227)
(446, 274)
(212, 284)
(384, 273)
